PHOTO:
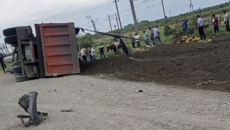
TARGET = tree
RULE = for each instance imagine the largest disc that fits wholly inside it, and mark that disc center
(128, 26)
(86, 40)
(168, 30)
(144, 22)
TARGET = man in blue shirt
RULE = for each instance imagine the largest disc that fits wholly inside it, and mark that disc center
(185, 25)
(146, 39)
(200, 26)
(101, 50)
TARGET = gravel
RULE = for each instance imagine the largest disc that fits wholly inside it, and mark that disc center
(103, 104)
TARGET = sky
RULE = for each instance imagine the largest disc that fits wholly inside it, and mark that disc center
(28, 12)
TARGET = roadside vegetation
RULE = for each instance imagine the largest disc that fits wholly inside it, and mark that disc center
(170, 29)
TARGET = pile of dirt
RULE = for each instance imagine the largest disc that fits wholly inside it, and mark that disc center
(198, 65)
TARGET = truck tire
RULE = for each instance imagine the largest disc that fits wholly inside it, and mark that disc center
(9, 31)
(20, 78)
(15, 63)
(14, 44)
(12, 39)
(17, 69)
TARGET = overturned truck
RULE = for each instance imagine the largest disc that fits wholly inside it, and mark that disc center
(53, 51)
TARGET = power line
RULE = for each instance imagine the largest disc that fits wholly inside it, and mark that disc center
(88, 11)
(98, 13)
(54, 7)
(104, 9)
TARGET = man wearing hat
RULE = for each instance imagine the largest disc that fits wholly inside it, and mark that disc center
(200, 26)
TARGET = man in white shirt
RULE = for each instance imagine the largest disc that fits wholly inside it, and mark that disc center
(226, 20)
(115, 42)
(200, 26)
(137, 37)
(156, 35)
(93, 53)
(83, 54)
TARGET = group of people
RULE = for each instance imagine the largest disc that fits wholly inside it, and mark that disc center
(215, 22)
(87, 54)
(2, 63)
(154, 37)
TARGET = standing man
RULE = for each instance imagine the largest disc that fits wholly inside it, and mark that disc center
(200, 26)
(83, 54)
(226, 21)
(216, 25)
(93, 54)
(152, 36)
(101, 50)
(146, 38)
(137, 37)
(2, 63)
(185, 25)
(132, 40)
(115, 42)
(156, 35)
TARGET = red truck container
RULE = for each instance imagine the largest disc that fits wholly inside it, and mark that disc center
(59, 49)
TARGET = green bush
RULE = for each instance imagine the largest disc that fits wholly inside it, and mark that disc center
(168, 30)
(86, 40)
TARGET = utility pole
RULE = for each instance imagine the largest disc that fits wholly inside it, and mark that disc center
(191, 5)
(94, 26)
(163, 8)
(115, 1)
(117, 21)
(110, 22)
(134, 16)
(170, 14)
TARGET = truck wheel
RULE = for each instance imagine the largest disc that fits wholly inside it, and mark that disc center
(12, 39)
(17, 69)
(15, 63)
(9, 31)
(20, 78)
(14, 44)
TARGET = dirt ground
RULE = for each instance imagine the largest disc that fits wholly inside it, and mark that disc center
(102, 104)
(198, 65)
